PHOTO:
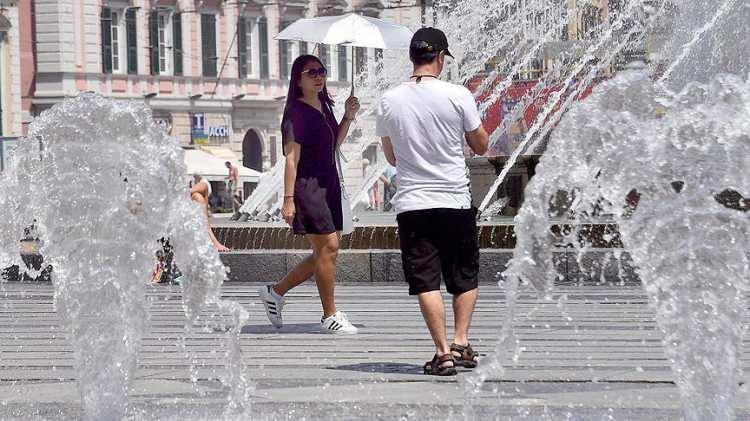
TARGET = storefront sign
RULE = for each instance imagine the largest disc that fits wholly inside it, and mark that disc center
(201, 134)
(218, 131)
(197, 126)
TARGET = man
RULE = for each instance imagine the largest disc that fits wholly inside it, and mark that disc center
(232, 183)
(423, 123)
(389, 187)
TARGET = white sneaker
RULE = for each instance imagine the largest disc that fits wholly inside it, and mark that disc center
(338, 323)
(273, 303)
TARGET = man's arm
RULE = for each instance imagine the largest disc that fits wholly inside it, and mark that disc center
(388, 150)
(477, 139)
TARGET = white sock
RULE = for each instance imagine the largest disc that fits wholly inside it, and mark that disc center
(276, 294)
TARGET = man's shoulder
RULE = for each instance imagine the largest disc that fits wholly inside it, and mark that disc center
(452, 88)
(393, 91)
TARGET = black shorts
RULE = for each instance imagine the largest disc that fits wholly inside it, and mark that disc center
(439, 241)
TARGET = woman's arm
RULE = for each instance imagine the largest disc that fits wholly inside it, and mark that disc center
(292, 150)
(351, 107)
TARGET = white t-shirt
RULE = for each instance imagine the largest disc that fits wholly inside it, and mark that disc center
(426, 123)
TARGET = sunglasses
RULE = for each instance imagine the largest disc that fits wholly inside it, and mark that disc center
(313, 73)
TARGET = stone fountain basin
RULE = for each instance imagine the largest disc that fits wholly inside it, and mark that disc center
(264, 252)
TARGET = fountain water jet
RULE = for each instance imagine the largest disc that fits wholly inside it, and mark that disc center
(676, 153)
(106, 185)
(661, 159)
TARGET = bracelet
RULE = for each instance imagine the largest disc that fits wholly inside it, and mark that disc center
(347, 118)
(288, 197)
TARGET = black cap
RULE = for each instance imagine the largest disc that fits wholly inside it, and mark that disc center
(428, 42)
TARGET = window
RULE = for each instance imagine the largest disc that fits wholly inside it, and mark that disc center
(115, 25)
(263, 47)
(163, 26)
(114, 51)
(208, 44)
(160, 32)
(343, 64)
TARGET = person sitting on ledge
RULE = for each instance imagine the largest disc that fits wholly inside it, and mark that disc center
(199, 192)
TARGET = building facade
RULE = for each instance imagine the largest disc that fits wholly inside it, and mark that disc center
(211, 70)
(11, 113)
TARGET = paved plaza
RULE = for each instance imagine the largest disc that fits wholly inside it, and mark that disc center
(596, 357)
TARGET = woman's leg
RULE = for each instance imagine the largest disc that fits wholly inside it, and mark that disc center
(325, 249)
(301, 273)
(197, 197)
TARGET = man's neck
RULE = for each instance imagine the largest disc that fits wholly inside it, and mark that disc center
(427, 69)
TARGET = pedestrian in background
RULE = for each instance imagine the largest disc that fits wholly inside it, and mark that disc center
(200, 190)
(232, 186)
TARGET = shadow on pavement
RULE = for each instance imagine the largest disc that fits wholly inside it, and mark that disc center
(382, 367)
(287, 328)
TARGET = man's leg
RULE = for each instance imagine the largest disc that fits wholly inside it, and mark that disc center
(460, 258)
(433, 311)
(421, 263)
(463, 309)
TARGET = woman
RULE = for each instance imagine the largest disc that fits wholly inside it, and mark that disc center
(312, 191)
(200, 190)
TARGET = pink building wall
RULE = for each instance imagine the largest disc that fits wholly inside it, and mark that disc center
(28, 63)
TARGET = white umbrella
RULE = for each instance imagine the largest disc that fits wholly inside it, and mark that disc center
(350, 30)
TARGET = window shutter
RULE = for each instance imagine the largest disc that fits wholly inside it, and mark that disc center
(283, 54)
(208, 34)
(360, 61)
(343, 75)
(106, 24)
(242, 46)
(325, 56)
(153, 30)
(177, 43)
(263, 42)
(132, 41)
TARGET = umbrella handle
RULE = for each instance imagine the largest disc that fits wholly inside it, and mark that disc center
(353, 75)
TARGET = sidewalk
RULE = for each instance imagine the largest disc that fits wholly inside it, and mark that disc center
(606, 361)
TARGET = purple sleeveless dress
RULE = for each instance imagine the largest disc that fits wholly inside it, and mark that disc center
(317, 190)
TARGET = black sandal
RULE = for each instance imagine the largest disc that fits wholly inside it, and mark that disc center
(466, 356)
(438, 366)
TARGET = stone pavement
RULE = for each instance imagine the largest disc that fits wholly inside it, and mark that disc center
(596, 357)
